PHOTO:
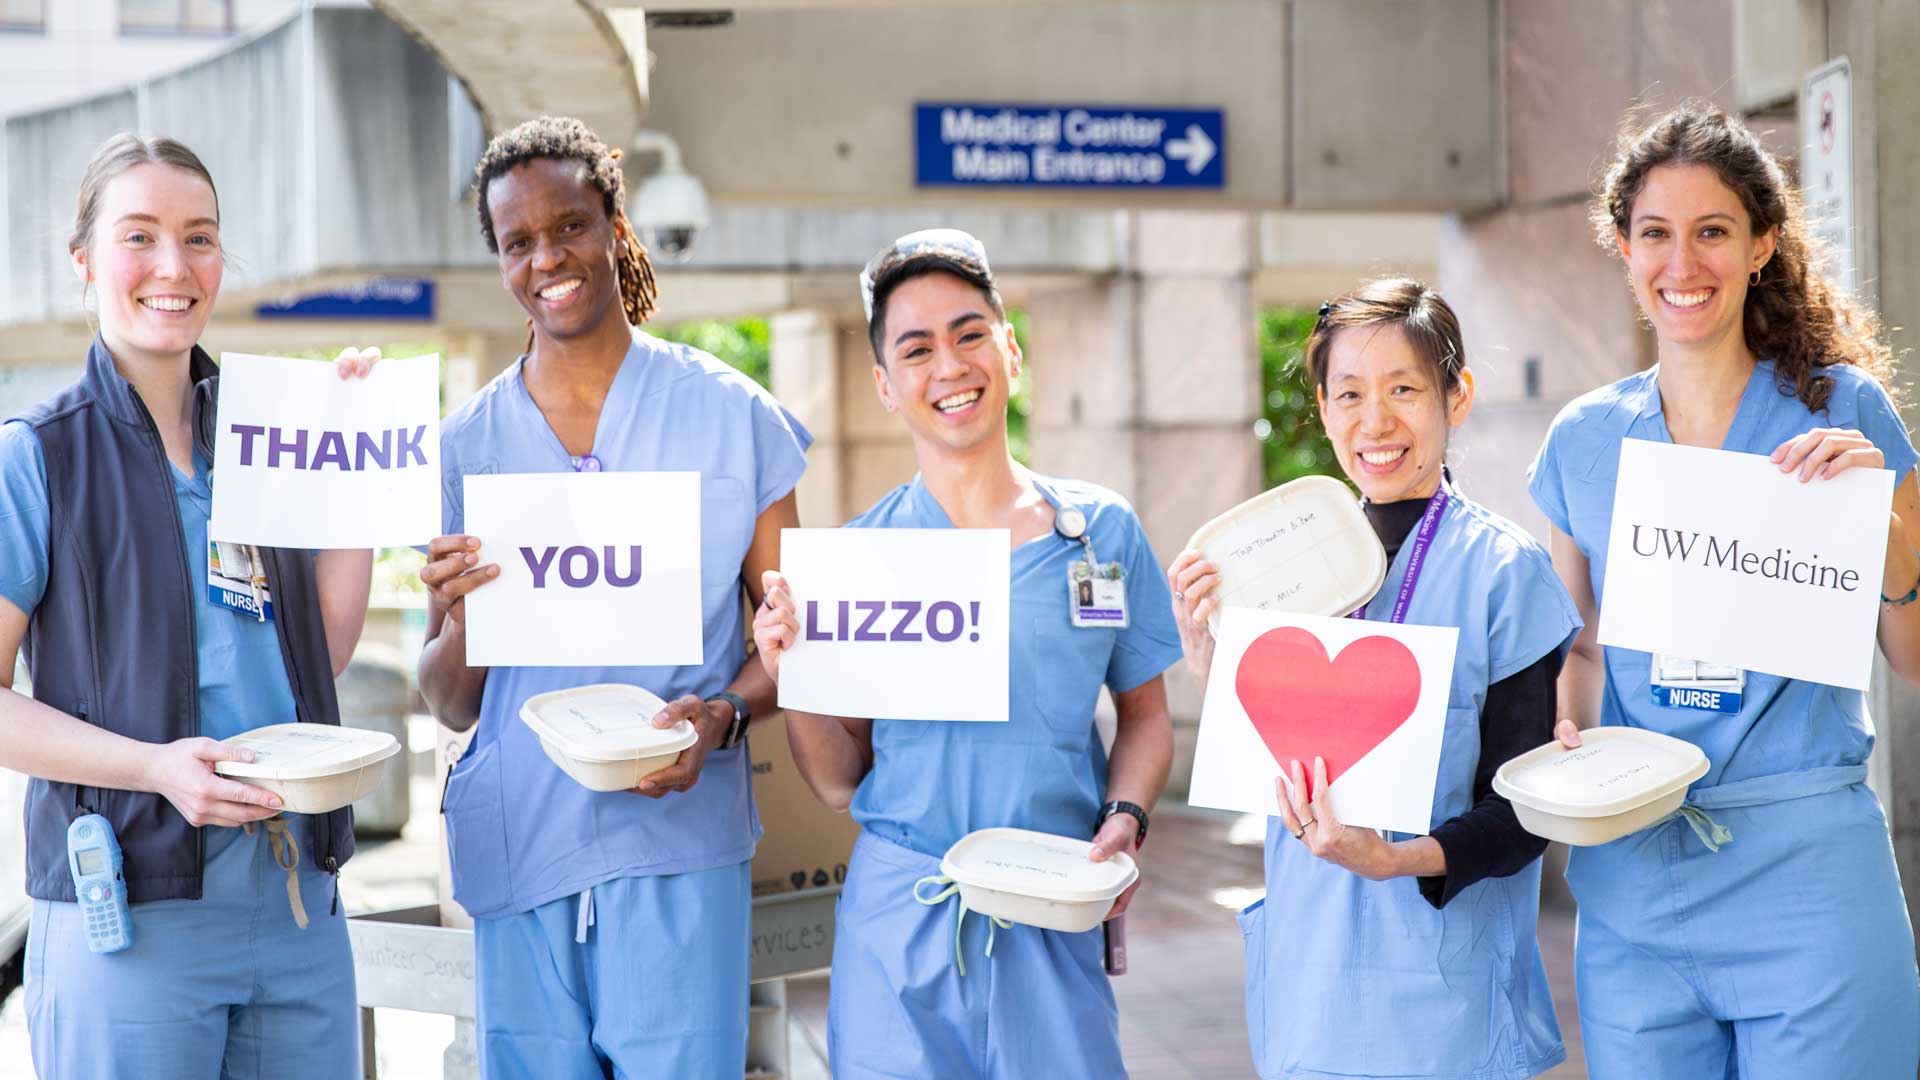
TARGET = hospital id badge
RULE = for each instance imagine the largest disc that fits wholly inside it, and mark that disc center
(1097, 597)
(235, 583)
(1679, 683)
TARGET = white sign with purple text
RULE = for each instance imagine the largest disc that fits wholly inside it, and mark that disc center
(1718, 556)
(596, 569)
(306, 459)
(899, 624)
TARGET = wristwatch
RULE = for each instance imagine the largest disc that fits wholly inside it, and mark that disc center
(741, 714)
(1118, 807)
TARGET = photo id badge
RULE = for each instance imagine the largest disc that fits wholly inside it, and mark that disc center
(235, 583)
(1097, 598)
(1679, 683)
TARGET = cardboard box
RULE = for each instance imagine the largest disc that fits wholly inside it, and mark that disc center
(806, 845)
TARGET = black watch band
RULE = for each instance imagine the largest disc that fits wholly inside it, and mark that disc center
(741, 714)
(1120, 807)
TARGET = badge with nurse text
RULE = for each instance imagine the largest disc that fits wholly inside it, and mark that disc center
(237, 581)
(1679, 683)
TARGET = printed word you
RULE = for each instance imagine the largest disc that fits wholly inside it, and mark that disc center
(580, 566)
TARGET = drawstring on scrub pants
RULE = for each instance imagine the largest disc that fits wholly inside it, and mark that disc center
(1711, 833)
(286, 853)
(960, 916)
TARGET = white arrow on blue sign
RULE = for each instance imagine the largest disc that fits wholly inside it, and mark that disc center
(958, 144)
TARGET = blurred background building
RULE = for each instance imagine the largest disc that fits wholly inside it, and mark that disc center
(1455, 140)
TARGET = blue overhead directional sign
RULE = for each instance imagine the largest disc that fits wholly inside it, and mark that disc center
(960, 144)
(398, 298)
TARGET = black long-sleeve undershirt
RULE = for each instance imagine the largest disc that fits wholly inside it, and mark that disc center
(1487, 840)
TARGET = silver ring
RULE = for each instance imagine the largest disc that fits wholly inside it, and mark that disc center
(1178, 595)
(1300, 833)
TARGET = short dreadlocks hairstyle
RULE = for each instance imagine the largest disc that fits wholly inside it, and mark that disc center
(563, 138)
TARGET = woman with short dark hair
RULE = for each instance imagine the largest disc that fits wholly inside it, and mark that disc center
(1383, 955)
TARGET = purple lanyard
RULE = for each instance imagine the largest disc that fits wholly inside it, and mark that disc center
(1417, 557)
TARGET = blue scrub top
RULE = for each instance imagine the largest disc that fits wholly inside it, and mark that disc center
(1784, 725)
(521, 831)
(243, 677)
(1045, 769)
(1457, 992)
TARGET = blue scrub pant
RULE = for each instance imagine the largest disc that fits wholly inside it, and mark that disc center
(658, 989)
(225, 986)
(1786, 954)
(1039, 1008)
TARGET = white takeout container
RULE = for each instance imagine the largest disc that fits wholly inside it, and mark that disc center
(1619, 781)
(314, 768)
(603, 735)
(1304, 547)
(1037, 878)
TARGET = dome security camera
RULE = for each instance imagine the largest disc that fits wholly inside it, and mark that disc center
(669, 207)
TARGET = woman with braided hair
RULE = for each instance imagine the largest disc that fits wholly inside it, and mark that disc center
(611, 930)
(1770, 938)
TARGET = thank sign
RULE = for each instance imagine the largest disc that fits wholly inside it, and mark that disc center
(1719, 557)
(307, 459)
(596, 569)
(898, 624)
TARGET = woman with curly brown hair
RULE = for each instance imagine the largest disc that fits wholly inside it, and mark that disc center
(1786, 951)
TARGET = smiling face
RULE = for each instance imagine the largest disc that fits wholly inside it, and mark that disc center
(949, 363)
(557, 247)
(154, 259)
(1387, 414)
(1689, 248)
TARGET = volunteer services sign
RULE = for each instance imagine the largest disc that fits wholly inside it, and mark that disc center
(960, 144)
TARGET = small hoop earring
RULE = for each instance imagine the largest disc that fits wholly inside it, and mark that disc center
(1753, 278)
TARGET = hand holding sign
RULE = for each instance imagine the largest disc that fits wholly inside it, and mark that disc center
(776, 626)
(453, 570)
(1368, 699)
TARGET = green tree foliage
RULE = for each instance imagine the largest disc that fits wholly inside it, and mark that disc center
(743, 344)
(1020, 396)
(1293, 444)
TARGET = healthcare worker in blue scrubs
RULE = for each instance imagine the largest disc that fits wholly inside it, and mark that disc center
(1786, 952)
(913, 993)
(1383, 955)
(239, 964)
(611, 930)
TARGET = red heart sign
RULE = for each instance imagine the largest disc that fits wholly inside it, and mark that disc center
(1305, 705)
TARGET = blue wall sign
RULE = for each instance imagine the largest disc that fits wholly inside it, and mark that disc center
(394, 298)
(960, 144)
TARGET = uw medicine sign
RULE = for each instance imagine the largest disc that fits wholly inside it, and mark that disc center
(959, 144)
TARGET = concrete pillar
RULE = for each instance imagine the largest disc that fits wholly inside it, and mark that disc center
(823, 371)
(1149, 381)
(806, 379)
(1877, 36)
